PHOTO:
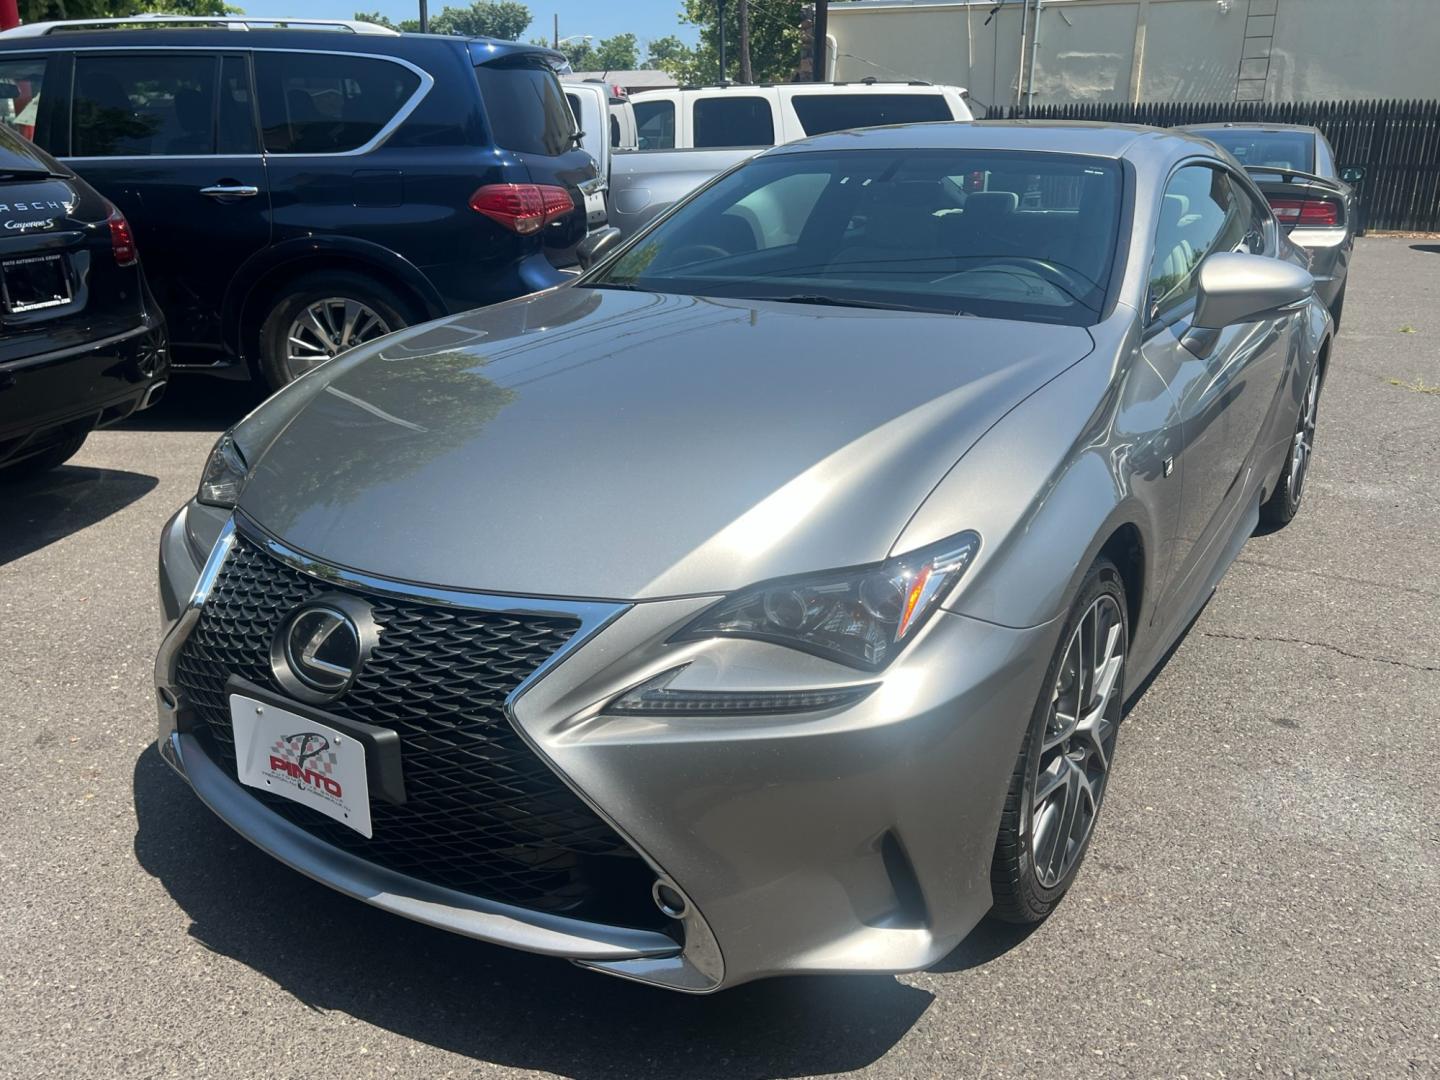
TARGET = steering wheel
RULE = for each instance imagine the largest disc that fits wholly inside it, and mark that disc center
(1068, 282)
(695, 252)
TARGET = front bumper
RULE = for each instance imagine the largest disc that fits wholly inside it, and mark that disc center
(853, 840)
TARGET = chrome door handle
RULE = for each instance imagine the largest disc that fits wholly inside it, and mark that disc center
(230, 191)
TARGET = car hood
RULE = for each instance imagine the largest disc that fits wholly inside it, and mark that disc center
(627, 445)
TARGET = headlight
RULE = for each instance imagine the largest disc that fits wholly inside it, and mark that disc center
(861, 616)
(224, 475)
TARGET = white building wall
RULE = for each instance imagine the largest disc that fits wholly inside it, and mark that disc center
(1150, 50)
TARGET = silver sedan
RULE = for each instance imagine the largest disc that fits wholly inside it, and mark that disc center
(767, 599)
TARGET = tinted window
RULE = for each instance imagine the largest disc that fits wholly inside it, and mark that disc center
(820, 113)
(1283, 149)
(237, 109)
(1202, 211)
(527, 109)
(655, 125)
(734, 121)
(20, 85)
(614, 131)
(143, 105)
(318, 103)
(897, 229)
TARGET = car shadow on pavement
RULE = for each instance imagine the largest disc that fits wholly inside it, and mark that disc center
(1431, 249)
(485, 1002)
(198, 403)
(49, 507)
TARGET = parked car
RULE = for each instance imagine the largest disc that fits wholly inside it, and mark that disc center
(82, 343)
(687, 136)
(789, 582)
(590, 104)
(303, 187)
(1312, 197)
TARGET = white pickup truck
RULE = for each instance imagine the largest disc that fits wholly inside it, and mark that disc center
(685, 137)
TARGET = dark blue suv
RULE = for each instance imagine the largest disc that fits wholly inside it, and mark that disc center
(299, 188)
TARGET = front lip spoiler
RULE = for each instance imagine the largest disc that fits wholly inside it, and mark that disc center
(445, 909)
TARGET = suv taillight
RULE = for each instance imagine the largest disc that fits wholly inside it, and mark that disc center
(122, 241)
(522, 208)
(1306, 213)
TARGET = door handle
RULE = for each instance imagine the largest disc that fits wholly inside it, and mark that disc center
(230, 191)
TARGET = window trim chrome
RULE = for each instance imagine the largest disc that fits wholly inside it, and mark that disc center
(427, 81)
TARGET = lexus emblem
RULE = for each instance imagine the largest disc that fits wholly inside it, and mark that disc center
(319, 650)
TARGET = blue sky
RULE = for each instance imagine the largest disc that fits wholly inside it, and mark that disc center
(645, 19)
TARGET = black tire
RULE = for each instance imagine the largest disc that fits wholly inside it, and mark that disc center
(1337, 306)
(395, 310)
(1284, 502)
(46, 460)
(1020, 895)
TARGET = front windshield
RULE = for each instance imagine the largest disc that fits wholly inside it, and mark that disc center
(1000, 234)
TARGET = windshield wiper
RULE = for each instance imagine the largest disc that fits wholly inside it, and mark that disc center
(834, 301)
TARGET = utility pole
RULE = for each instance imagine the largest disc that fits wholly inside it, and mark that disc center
(746, 75)
(720, 22)
(424, 17)
(1034, 48)
(556, 38)
(817, 64)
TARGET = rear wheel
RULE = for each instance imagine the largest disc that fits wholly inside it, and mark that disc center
(1284, 502)
(321, 315)
(51, 458)
(1060, 778)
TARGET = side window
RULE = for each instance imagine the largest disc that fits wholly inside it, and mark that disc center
(734, 121)
(1324, 157)
(319, 103)
(237, 109)
(614, 130)
(1257, 221)
(655, 124)
(819, 113)
(1200, 212)
(21, 81)
(141, 105)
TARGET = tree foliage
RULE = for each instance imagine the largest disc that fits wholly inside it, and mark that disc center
(618, 53)
(776, 41)
(666, 54)
(505, 19)
(32, 11)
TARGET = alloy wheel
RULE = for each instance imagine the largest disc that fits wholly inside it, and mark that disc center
(1304, 442)
(327, 328)
(1078, 742)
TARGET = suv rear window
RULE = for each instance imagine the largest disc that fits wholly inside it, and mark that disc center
(655, 125)
(321, 103)
(527, 109)
(820, 113)
(734, 121)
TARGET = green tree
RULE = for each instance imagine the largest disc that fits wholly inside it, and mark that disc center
(666, 54)
(776, 43)
(579, 52)
(48, 10)
(618, 53)
(485, 18)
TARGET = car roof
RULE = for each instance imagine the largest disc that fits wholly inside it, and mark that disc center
(1051, 136)
(315, 39)
(1250, 126)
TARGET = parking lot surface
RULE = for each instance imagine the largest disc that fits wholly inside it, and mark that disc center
(1262, 897)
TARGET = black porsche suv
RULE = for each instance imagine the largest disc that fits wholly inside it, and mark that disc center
(82, 343)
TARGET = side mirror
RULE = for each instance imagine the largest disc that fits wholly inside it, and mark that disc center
(596, 246)
(1235, 287)
(1352, 174)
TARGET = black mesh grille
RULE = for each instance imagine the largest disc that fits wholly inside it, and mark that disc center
(483, 813)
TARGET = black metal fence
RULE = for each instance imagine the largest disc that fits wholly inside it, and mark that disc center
(1397, 143)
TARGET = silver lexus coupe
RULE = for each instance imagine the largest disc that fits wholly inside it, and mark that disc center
(766, 600)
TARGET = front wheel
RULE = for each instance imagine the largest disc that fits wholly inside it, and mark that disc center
(1060, 778)
(321, 315)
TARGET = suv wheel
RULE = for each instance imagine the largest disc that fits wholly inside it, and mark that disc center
(322, 315)
(1064, 765)
(51, 458)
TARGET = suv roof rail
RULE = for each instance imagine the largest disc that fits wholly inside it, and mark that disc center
(869, 80)
(228, 22)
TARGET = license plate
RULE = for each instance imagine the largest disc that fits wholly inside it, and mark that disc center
(41, 281)
(301, 760)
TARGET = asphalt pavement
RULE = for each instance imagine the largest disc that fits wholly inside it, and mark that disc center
(1262, 898)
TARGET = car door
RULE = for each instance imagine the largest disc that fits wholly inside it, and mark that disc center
(1225, 392)
(170, 138)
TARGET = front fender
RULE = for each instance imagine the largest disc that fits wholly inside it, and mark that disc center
(316, 249)
(1050, 483)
